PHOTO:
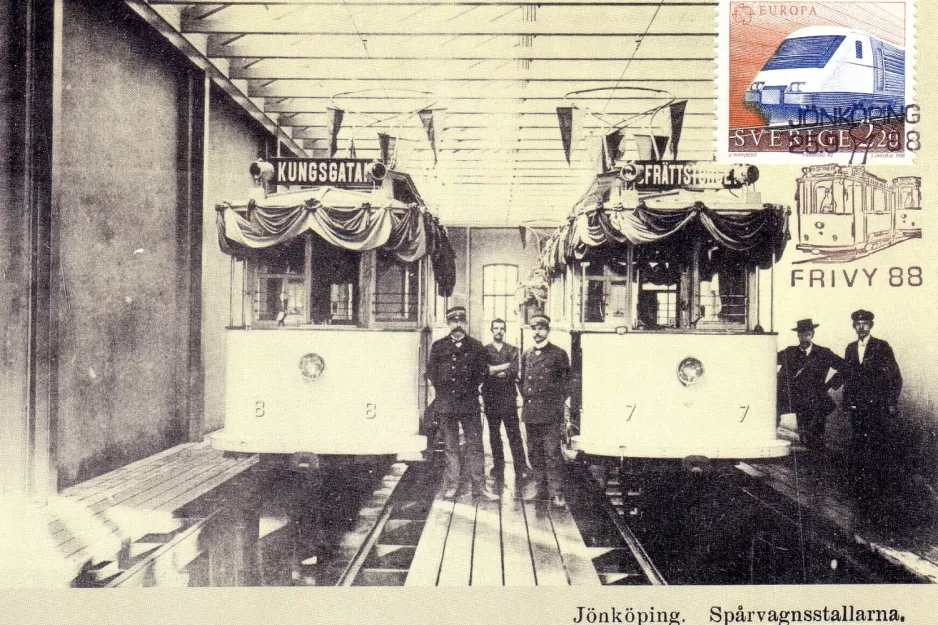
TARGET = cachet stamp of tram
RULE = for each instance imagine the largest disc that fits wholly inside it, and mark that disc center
(803, 81)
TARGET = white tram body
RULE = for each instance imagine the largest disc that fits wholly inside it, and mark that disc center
(326, 350)
(829, 71)
(663, 320)
(846, 208)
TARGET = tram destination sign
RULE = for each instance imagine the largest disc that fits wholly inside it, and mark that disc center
(338, 172)
(663, 175)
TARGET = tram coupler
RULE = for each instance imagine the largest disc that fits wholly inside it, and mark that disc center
(697, 465)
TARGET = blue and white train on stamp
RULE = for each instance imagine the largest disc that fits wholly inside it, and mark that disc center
(823, 73)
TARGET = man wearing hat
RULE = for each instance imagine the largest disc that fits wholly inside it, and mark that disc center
(545, 370)
(457, 366)
(803, 383)
(872, 383)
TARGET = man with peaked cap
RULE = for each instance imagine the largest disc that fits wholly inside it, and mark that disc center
(803, 383)
(545, 371)
(457, 366)
(872, 383)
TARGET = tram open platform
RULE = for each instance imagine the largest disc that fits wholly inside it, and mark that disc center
(815, 482)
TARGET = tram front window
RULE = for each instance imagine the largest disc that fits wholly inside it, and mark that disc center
(334, 284)
(606, 293)
(656, 305)
(396, 289)
(723, 296)
(282, 296)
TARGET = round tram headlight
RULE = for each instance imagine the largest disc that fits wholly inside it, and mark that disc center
(818, 224)
(312, 367)
(689, 371)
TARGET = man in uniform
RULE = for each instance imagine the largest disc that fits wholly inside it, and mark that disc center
(803, 383)
(872, 383)
(545, 370)
(499, 395)
(456, 367)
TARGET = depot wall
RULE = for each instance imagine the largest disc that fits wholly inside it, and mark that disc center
(122, 319)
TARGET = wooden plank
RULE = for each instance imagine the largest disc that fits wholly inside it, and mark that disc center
(164, 563)
(518, 567)
(425, 567)
(208, 485)
(576, 562)
(487, 552)
(456, 567)
(153, 500)
(137, 466)
(548, 566)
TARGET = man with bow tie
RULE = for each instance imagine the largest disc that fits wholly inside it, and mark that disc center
(457, 366)
(803, 384)
(545, 371)
(872, 383)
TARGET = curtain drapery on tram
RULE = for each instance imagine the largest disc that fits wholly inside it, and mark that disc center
(353, 220)
(756, 237)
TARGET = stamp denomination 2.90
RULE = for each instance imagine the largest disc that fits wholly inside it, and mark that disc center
(802, 80)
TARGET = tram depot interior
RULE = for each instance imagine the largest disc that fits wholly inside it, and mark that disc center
(130, 121)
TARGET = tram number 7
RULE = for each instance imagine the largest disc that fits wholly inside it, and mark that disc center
(745, 410)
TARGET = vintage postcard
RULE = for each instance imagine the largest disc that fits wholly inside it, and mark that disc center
(476, 311)
(809, 81)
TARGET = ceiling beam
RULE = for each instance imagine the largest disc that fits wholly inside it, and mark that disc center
(582, 19)
(553, 71)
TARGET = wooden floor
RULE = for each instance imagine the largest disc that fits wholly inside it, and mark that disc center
(137, 500)
(502, 543)
(817, 484)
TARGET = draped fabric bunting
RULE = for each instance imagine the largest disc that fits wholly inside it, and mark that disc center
(753, 236)
(344, 218)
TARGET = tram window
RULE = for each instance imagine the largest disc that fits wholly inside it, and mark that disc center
(723, 297)
(879, 201)
(606, 294)
(824, 200)
(396, 289)
(656, 303)
(334, 284)
(908, 198)
(281, 284)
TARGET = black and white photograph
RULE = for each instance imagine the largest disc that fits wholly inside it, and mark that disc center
(440, 302)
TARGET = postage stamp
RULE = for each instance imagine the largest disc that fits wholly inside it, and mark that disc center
(800, 81)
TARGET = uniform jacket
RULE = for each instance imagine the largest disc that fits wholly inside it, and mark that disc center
(875, 383)
(802, 383)
(496, 389)
(456, 373)
(544, 377)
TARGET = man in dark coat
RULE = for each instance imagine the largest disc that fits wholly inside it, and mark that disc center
(803, 383)
(456, 367)
(545, 371)
(500, 397)
(872, 383)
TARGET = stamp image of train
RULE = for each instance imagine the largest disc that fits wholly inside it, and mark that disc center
(846, 212)
(830, 69)
(334, 290)
(658, 290)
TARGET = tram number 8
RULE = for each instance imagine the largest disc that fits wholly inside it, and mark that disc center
(260, 408)
(371, 411)
(912, 277)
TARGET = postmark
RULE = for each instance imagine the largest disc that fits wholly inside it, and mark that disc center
(802, 82)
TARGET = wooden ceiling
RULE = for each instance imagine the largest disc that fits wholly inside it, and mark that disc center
(493, 71)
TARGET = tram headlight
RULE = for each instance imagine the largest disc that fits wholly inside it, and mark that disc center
(312, 367)
(690, 371)
(796, 87)
(819, 225)
(756, 86)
